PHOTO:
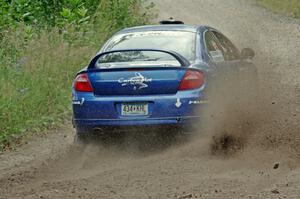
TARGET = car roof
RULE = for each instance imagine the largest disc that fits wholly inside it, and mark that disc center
(187, 28)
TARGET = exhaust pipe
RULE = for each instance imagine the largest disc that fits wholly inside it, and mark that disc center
(98, 130)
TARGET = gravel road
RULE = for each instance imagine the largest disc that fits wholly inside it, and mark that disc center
(258, 158)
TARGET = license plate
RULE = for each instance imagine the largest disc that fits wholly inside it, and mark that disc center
(134, 109)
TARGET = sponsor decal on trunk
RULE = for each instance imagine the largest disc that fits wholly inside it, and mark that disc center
(138, 81)
(178, 103)
(199, 102)
(76, 101)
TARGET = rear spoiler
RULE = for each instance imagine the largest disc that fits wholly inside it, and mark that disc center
(182, 60)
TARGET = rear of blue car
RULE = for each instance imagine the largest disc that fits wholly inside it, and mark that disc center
(138, 88)
(136, 96)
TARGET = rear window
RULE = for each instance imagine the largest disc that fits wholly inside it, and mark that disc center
(178, 41)
(136, 58)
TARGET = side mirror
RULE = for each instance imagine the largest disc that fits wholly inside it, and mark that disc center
(247, 53)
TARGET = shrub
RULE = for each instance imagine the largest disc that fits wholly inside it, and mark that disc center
(38, 60)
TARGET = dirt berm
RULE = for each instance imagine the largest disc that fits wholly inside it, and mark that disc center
(248, 153)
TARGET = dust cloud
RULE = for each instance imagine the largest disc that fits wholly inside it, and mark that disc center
(239, 118)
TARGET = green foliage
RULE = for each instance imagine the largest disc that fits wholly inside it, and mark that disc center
(43, 44)
(44, 12)
(290, 7)
(36, 88)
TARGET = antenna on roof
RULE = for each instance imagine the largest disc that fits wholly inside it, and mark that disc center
(171, 20)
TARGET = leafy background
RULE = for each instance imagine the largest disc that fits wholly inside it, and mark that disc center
(43, 44)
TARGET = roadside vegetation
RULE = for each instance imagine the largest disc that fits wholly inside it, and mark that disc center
(43, 45)
(289, 7)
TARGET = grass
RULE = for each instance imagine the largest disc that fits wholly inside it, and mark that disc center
(37, 70)
(35, 91)
(289, 7)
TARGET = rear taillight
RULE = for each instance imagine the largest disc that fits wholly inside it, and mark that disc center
(192, 80)
(82, 83)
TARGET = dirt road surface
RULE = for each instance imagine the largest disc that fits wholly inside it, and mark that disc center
(258, 158)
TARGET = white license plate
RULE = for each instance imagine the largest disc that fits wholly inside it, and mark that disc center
(134, 109)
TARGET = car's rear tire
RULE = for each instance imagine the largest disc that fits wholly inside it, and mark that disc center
(81, 139)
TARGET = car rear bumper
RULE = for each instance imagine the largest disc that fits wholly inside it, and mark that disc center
(93, 112)
(95, 125)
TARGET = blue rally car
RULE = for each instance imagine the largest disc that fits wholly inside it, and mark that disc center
(153, 76)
